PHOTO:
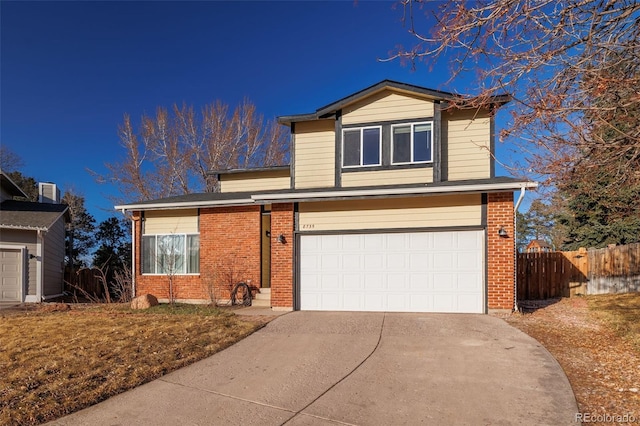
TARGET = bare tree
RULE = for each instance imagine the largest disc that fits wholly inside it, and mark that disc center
(9, 160)
(559, 61)
(173, 152)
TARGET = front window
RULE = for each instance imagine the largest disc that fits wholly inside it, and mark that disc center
(361, 147)
(412, 143)
(171, 254)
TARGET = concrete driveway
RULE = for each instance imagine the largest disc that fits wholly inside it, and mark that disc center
(326, 368)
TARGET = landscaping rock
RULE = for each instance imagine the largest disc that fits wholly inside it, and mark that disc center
(144, 302)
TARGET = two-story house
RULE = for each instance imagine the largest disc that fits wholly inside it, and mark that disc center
(390, 203)
(32, 245)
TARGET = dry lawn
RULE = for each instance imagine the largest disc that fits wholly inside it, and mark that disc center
(55, 360)
(596, 340)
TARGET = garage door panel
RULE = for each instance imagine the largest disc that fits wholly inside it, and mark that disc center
(373, 302)
(444, 261)
(396, 242)
(443, 302)
(397, 302)
(329, 261)
(352, 303)
(11, 277)
(419, 282)
(468, 283)
(351, 262)
(374, 282)
(353, 282)
(422, 262)
(418, 272)
(397, 261)
(419, 241)
(373, 261)
(351, 242)
(443, 282)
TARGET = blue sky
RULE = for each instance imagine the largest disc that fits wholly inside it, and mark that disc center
(70, 70)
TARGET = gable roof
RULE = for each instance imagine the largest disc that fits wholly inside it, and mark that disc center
(10, 186)
(30, 215)
(538, 243)
(330, 109)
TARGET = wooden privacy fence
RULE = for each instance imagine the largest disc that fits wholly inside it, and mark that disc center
(86, 279)
(614, 270)
(563, 274)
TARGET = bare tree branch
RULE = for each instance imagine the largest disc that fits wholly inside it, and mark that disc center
(173, 152)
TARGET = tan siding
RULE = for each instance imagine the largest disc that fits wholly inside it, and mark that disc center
(315, 154)
(256, 181)
(469, 145)
(390, 213)
(28, 239)
(171, 221)
(387, 106)
(387, 177)
(53, 260)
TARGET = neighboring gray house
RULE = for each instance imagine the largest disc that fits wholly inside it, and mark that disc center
(31, 243)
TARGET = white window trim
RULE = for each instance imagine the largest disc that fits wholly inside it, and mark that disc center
(362, 129)
(185, 235)
(411, 142)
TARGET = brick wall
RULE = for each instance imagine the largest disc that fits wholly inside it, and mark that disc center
(229, 247)
(229, 253)
(282, 256)
(500, 257)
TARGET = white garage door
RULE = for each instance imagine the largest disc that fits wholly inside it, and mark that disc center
(11, 280)
(393, 272)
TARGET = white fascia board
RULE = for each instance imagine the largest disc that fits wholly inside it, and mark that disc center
(25, 228)
(494, 187)
(185, 204)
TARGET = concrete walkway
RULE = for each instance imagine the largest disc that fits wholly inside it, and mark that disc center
(323, 368)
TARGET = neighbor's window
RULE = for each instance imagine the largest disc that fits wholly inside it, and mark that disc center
(171, 254)
(361, 147)
(412, 143)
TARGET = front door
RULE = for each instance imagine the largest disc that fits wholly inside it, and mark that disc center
(265, 241)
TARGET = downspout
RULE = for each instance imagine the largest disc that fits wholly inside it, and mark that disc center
(39, 265)
(523, 191)
(133, 255)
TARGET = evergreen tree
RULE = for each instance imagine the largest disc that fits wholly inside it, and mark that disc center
(603, 204)
(114, 246)
(79, 239)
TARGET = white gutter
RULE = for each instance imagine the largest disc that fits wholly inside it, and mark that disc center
(397, 191)
(184, 204)
(523, 191)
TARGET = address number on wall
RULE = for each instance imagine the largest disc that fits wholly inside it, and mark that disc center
(308, 226)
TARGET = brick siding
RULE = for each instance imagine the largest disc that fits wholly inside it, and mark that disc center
(229, 253)
(500, 257)
(282, 256)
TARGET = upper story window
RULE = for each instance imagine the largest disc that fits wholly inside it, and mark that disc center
(362, 146)
(171, 254)
(412, 143)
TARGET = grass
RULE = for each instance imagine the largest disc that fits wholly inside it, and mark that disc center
(56, 362)
(621, 312)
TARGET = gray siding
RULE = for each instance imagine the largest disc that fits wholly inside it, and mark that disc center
(53, 262)
(28, 239)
